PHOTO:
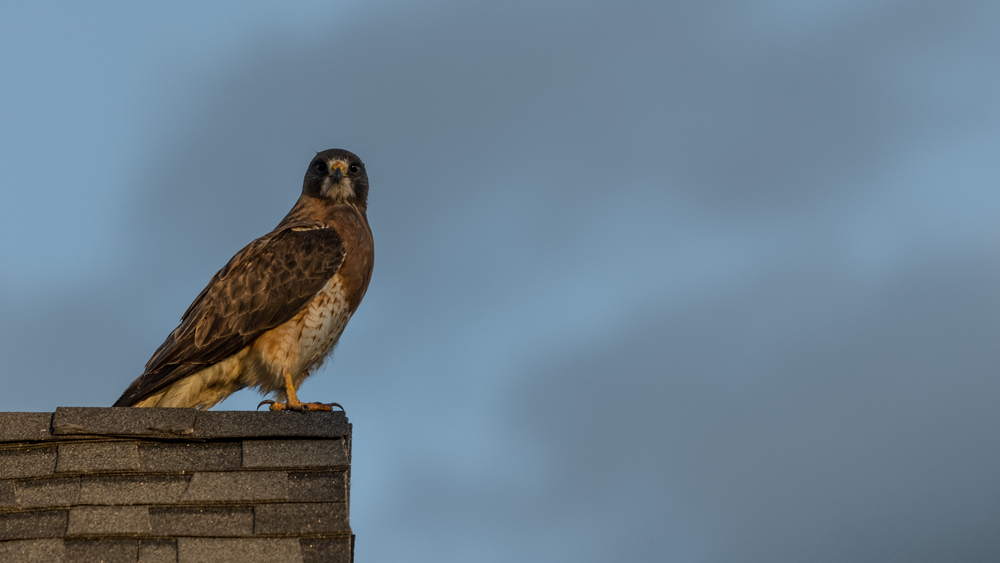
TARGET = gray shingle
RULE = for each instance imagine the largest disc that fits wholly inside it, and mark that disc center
(87, 457)
(158, 551)
(300, 518)
(294, 453)
(236, 424)
(247, 550)
(33, 551)
(132, 489)
(27, 462)
(218, 456)
(34, 524)
(24, 426)
(219, 521)
(108, 521)
(105, 551)
(236, 486)
(123, 421)
(317, 486)
(47, 492)
(333, 550)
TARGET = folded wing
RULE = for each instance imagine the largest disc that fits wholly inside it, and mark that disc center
(264, 285)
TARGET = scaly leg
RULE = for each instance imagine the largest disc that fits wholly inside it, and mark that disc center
(293, 403)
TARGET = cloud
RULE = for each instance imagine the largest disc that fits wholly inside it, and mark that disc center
(800, 417)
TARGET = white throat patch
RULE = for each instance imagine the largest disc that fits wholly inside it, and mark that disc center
(342, 190)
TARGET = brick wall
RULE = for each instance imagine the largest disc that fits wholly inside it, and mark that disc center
(174, 485)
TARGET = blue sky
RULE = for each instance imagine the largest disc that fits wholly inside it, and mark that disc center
(654, 281)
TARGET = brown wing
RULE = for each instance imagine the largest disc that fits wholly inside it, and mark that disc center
(264, 285)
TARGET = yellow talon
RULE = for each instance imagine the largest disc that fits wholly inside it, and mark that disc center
(293, 403)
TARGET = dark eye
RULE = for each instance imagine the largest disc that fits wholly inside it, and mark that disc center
(353, 169)
(319, 167)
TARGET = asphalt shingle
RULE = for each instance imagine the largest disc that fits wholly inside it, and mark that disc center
(317, 486)
(105, 551)
(40, 493)
(218, 521)
(198, 550)
(33, 524)
(108, 521)
(123, 421)
(294, 453)
(132, 489)
(211, 456)
(27, 462)
(7, 498)
(158, 551)
(174, 485)
(233, 424)
(237, 486)
(25, 426)
(300, 518)
(33, 551)
(325, 550)
(86, 457)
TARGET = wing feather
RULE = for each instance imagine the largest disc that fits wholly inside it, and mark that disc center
(264, 285)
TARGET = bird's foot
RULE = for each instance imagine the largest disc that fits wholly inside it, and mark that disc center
(293, 405)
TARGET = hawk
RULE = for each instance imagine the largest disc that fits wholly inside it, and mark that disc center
(274, 313)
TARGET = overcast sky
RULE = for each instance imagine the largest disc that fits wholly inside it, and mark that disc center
(655, 281)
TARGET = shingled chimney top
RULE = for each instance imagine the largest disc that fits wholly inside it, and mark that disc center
(174, 485)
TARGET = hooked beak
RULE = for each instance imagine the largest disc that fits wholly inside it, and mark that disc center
(337, 172)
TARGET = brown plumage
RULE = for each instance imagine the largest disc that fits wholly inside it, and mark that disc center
(274, 312)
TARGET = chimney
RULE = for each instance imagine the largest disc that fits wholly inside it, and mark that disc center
(175, 485)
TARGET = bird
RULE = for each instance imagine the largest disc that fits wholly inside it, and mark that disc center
(274, 313)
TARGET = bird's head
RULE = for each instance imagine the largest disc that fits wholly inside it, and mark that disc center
(339, 176)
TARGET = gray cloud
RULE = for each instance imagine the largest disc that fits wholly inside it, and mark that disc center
(795, 419)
